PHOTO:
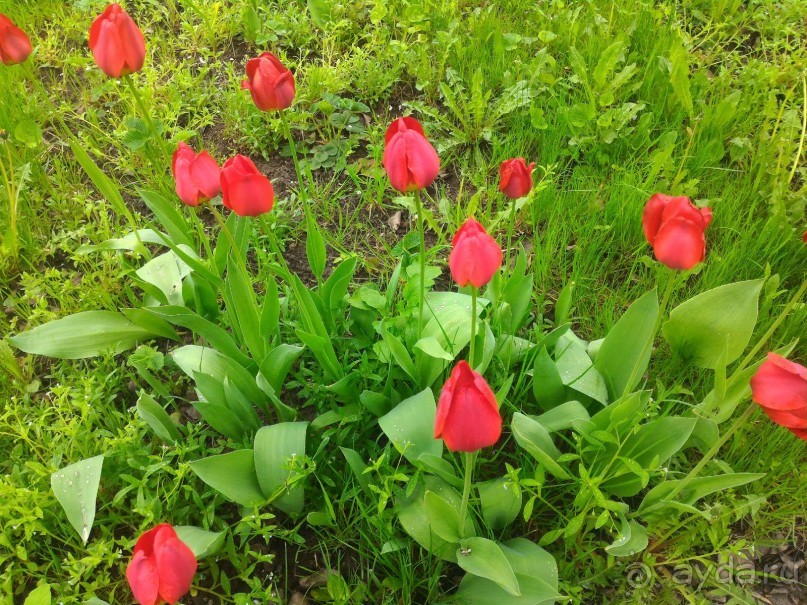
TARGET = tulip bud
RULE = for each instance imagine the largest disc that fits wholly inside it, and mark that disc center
(780, 388)
(269, 82)
(515, 178)
(162, 567)
(675, 228)
(409, 159)
(15, 46)
(468, 417)
(117, 44)
(197, 177)
(244, 190)
(475, 256)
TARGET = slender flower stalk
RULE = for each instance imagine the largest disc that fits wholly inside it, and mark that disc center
(421, 260)
(470, 458)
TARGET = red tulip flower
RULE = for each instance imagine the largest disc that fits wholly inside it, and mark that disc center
(475, 256)
(244, 190)
(468, 417)
(197, 177)
(780, 388)
(515, 178)
(409, 159)
(270, 83)
(162, 567)
(675, 228)
(117, 44)
(15, 46)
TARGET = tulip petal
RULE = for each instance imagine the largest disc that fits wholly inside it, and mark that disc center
(249, 195)
(422, 161)
(206, 175)
(134, 44)
(469, 419)
(395, 163)
(679, 244)
(793, 419)
(185, 187)
(141, 574)
(651, 217)
(175, 564)
(15, 46)
(780, 384)
(108, 51)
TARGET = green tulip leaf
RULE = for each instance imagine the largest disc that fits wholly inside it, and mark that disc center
(76, 488)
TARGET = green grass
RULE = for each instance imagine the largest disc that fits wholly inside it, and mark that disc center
(489, 82)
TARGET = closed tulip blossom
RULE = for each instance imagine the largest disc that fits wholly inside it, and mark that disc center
(15, 46)
(675, 228)
(269, 82)
(244, 190)
(780, 388)
(117, 44)
(409, 159)
(162, 567)
(515, 178)
(197, 176)
(468, 417)
(475, 257)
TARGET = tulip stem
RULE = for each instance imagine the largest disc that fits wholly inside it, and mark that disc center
(422, 259)
(473, 328)
(141, 107)
(470, 457)
(510, 228)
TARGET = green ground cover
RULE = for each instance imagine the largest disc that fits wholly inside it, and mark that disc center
(613, 100)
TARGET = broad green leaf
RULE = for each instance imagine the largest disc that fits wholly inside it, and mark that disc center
(315, 249)
(484, 558)
(625, 353)
(76, 487)
(216, 337)
(233, 475)
(276, 365)
(658, 440)
(335, 287)
(655, 504)
(563, 416)
(517, 293)
(158, 420)
(432, 347)
(400, 354)
(547, 385)
(410, 426)
(242, 307)
(166, 273)
(127, 242)
(169, 216)
(632, 538)
(194, 358)
(576, 369)
(444, 518)
(275, 447)
(214, 410)
(501, 502)
(440, 467)
(202, 543)
(84, 334)
(715, 326)
(412, 515)
(39, 596)
(534, 438)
